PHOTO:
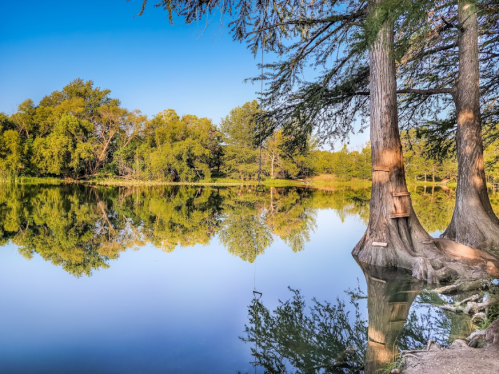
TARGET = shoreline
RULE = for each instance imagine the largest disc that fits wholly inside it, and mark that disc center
(223, 182)
(213, 182)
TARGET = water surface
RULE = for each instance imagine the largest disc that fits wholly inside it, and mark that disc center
(161, 280)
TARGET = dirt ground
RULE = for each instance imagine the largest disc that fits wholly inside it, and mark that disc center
(462, 360)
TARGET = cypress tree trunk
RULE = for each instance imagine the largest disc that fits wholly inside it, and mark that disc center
(394, 235)
(403, 234)
(473, 222)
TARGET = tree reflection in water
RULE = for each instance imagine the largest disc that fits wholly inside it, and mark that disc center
(82, 228)
(335, 338)
(322, 339)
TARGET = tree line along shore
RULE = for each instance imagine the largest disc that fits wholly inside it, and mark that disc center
(81, 133)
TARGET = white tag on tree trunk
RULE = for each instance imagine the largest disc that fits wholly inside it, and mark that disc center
(379, 244)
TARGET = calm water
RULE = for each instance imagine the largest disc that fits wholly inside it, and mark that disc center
(161, 280)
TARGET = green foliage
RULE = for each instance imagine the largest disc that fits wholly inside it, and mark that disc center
(493, 308)
(81, 228)
(11, 153)
(240, 159)
(420, 161)
(344, 164)
(428, 69)
(80, 132)
(434, 206)
(178, 149)
(324, 338)
(65, 149)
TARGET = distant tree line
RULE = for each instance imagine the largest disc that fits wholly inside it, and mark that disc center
(81, 132)
(422, 163)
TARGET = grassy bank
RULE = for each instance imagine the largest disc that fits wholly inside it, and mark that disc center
(322, 181)
(34, 180)
(212, 182)
(233, 182)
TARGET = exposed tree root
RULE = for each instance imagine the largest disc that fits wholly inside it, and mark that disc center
(408, 246)
(471, 308)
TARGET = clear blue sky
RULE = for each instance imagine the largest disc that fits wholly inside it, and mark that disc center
(147, 63)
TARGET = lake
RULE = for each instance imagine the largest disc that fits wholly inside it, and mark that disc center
(202, 280)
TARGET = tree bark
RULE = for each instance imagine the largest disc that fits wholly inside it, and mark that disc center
(404, 242)
(390, 295)
(473, 222)
(403, 234)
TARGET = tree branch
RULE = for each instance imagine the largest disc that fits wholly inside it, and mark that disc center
(331, 20)
(431, 91)
(431, 52)
(449, 25)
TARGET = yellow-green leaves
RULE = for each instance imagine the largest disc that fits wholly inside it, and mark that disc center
(62, 151)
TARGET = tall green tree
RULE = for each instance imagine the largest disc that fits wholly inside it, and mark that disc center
(11, 154)
(66, 150)
(177, 148)
(239, 129)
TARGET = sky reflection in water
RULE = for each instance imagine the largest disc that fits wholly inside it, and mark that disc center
(86, 301)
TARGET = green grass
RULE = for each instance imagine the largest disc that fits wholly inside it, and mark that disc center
(34, 180)
(389, 366)
(313, 182)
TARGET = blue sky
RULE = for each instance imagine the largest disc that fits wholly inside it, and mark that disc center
(147, 63)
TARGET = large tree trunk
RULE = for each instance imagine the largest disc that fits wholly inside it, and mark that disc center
(473, 222)
(394, 235)
(403, 234)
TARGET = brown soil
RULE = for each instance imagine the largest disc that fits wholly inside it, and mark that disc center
(462, 360)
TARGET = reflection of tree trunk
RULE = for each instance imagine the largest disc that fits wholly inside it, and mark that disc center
(473, 221)
(390, 296)
(272, 199)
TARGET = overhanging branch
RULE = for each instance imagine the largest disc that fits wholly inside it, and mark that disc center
(431, 91)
